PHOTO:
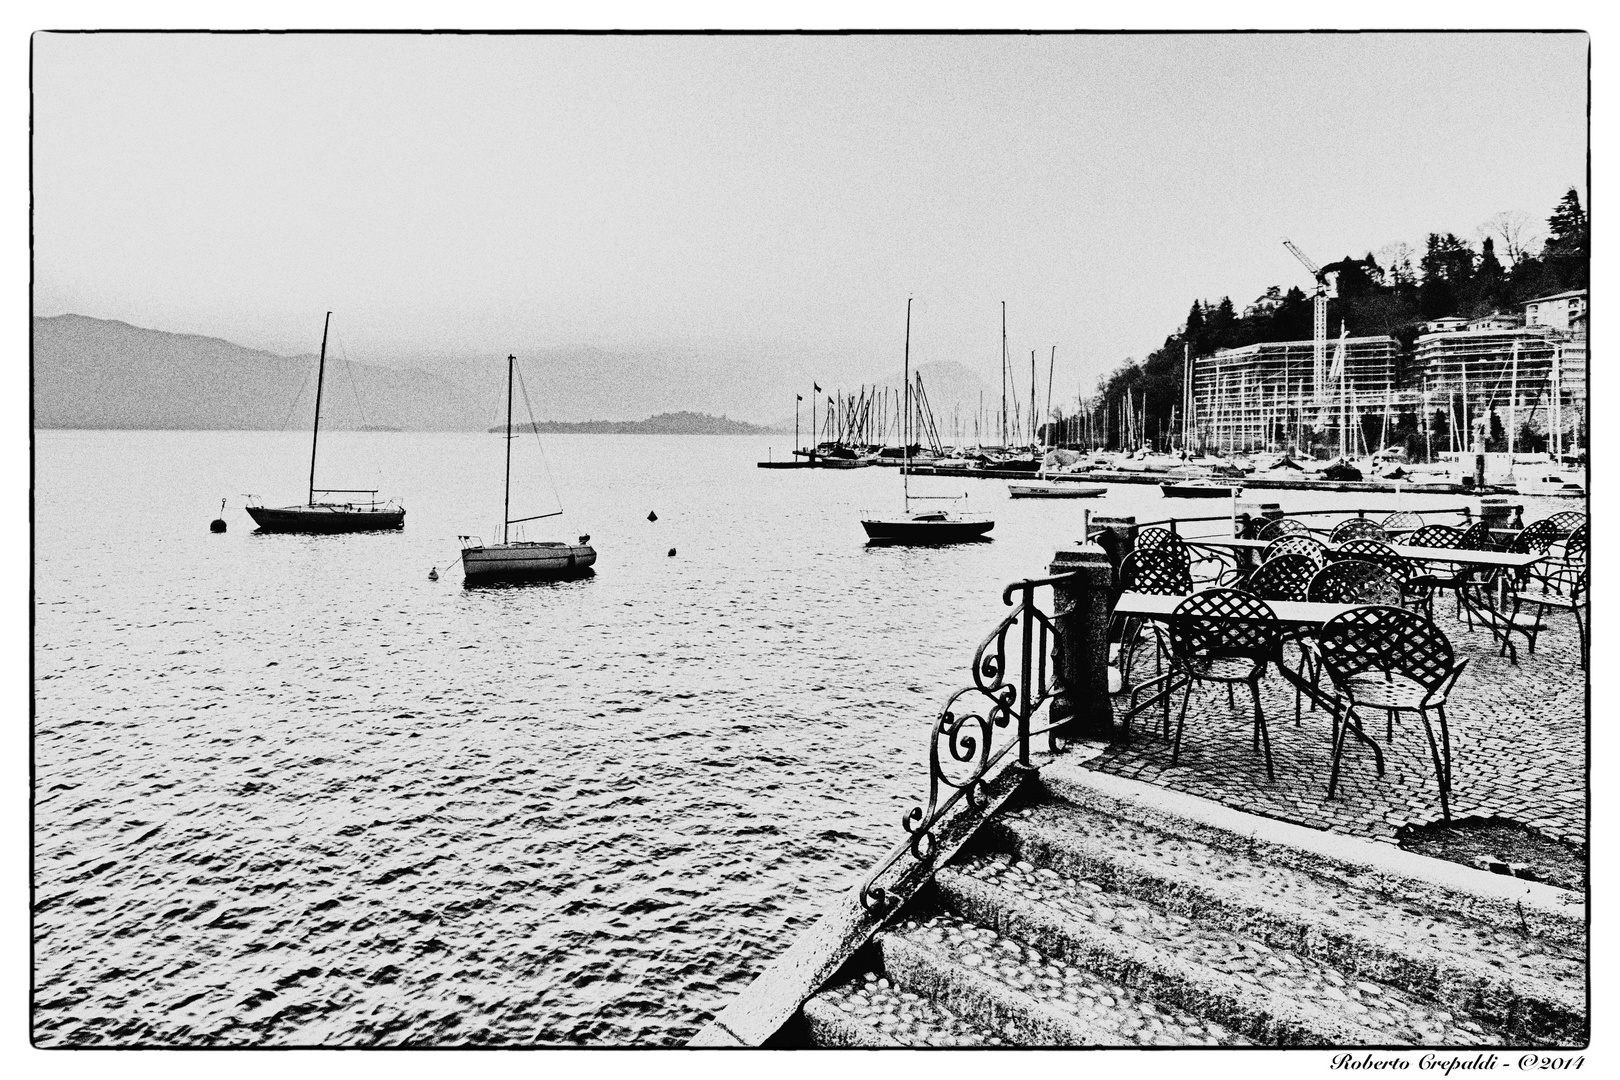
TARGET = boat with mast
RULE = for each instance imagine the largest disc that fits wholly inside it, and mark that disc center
(522, 560)
(327, 516)
(921, 526)
(1041, 487)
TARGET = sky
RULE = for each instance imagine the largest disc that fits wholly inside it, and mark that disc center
(774, 200)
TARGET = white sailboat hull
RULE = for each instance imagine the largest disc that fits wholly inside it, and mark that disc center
(526, 561)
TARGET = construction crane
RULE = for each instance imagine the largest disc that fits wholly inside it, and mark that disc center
(1326, 289)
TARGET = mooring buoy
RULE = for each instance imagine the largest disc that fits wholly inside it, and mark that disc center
(652, 515)
(672, 553)
(433, 574)
(218, 524)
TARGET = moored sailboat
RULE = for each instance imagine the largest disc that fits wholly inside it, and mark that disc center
(328, 516)
(521, 560)
(921, 526)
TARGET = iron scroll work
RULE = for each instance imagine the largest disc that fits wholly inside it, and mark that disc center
(962, 753)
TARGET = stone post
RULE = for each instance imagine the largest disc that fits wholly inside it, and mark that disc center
(1081, 611)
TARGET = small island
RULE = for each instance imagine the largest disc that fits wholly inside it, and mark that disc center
(675, 423)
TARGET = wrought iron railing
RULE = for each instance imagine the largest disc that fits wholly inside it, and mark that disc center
(964, 748)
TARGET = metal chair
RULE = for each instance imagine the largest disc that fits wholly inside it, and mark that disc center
(1537, 537)
(1435, 576)
(1477, 537)
(1375, 551)
(1283, 527)
(1287, 577)
(1162, 573)
(1567, 521)
(1538, 595)
(1224, 636)
(1157, 539)
(1396, 660)
(1357, 528)
(1403, 521)
(1353, 581)
(1296, 544)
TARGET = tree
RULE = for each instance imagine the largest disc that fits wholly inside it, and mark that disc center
(1448, 269)
(1568, 230)
(1512, 227)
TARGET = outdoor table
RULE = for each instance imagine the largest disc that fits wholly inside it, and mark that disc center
(1296, 613)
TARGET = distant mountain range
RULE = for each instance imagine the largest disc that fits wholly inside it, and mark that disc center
(676, 423)
(99, 373)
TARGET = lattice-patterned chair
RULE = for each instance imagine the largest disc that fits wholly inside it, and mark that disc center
(1537, 537)
(1434, 576)
(1287, 577)
(1567, 521)
(1296, 544)
(1157, 539)
(1283, 527)
(1375, 551)
(1353, 581)
(1396, 660)
(1477, 537)
(1163, 573)
(1401, 521)
(1537, 594)
(1357, 528)
(1225, 636)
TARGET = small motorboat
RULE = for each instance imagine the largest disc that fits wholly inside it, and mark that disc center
(1053, 489)
(1199, 489)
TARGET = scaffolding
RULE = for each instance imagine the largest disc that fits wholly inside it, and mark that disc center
(1469, 377)
(1265, 396)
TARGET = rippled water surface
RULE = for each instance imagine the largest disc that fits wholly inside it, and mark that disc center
(291, 792)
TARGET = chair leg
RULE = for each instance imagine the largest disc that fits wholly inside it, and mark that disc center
(1261, 734)
(1580, 632)
(1389, 725)
(1439, 768)
(1181, 722)
(1338, 749)
(1445, 743)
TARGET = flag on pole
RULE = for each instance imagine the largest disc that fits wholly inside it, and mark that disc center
(798, 397)
(817, 388)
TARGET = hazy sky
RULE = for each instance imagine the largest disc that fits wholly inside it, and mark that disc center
(777, 196)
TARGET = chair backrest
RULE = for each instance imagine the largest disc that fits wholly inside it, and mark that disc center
(1283, 527)
(1157, 539)
(1385, 638)
(1537, 536)
(1296, 544)
(1225, 623)
(1575, 546)
(1375, 551)
(1287, 577)
(1477, 537)
(1159, 572)
(1356, 528)
(1435, 536)
(1567, 521)
(1351, 581)
(1401, 521)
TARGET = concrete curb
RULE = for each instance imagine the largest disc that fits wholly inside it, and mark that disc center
(1554, 914)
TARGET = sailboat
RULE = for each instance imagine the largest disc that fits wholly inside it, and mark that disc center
(1041, 487)
(921, 526)
(328, 516)
(521, 560)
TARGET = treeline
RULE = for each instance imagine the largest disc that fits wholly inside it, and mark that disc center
(1387, 295)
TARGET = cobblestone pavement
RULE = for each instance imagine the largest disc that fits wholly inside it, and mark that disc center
(1518, 738)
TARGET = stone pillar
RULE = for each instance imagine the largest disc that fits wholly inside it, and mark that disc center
(1083, 606)
(1123, 528)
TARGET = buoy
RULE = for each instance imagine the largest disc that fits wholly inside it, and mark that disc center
(652, 515)
(433, 574)
(585, 538)
(672, 553)
(218, 524)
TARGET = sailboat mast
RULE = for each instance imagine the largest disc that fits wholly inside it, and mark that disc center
(506, 502)
(320, 379)
(905, 430)
(1032, 397)
(1003, 369)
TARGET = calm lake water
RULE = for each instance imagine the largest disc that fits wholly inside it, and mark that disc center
(291, 792)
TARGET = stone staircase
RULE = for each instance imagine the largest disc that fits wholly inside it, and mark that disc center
(1086, 916)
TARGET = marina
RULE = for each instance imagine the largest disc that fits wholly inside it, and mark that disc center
(765, 668)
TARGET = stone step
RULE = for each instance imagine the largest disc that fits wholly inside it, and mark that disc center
(1530, 989)
(1003, 985)
(1271, 996)
(870, 1011)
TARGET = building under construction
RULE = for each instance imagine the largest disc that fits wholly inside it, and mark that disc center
(1494, 378)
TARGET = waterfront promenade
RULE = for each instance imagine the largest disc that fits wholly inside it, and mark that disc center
(1518, 735)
